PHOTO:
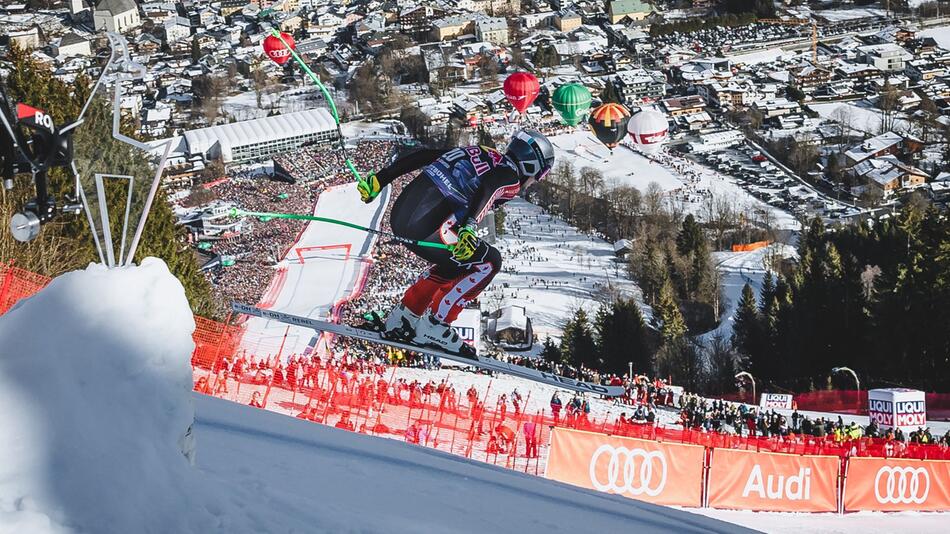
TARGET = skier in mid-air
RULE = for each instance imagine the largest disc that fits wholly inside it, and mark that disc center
(444, 203)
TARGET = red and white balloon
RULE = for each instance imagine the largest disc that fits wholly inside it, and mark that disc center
(276, 50)
(648, 129)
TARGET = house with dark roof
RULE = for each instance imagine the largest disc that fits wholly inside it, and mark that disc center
(72, 45)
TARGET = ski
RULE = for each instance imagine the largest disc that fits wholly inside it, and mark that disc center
(482, 362)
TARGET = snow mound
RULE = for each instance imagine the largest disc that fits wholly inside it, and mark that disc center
(95, 401)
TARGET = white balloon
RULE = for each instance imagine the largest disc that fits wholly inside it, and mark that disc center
(648, 129)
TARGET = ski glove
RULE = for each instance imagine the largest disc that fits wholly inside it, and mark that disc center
(468, 241)
(369, 189)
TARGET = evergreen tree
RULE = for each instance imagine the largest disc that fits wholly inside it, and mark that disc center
(672, 326)
(746, 330)
(690, 238)
(767, 293)
(577, 342)
(622, 338)
(195, 50)
(550, 351)
(609, 94)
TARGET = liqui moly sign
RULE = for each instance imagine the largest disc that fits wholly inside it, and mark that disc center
(897, 408)
(776, 400)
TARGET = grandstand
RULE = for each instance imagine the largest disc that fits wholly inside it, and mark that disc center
(258, 139)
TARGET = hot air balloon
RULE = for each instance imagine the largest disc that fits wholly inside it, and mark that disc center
(521, 88)
(648, 129)
(276, 50)
(572, 101)
(609, 123)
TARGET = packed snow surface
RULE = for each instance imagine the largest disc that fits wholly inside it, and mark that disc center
(311, 287)
(94, 389)
(95, 393)
(340, 481)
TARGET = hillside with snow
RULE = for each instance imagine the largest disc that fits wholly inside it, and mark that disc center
(550, 268)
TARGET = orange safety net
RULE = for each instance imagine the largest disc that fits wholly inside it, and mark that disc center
(749, 247)
(16, 284)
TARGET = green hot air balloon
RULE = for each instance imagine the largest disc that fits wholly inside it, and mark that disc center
(572, 101)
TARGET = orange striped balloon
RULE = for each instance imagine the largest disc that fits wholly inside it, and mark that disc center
(609, 123)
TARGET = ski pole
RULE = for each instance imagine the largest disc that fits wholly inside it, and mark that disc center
(235, 212)
(326, 95)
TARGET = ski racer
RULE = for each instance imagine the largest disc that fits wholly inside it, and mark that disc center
(444, 203)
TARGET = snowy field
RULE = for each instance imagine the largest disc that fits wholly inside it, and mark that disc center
(624, 167)
(550, 268)
(702, 182)
(682, 179)
(860, 119)
(941, 34)
(762, 56)
(311, 288)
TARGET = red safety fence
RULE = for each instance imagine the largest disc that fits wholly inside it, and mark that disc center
(852, 401)
(372, 399)
(16, 284)
(749, 247)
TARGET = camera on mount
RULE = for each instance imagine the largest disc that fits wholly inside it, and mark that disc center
(43, 148)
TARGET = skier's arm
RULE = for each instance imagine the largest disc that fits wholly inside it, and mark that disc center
(408, 163)
(498, 181)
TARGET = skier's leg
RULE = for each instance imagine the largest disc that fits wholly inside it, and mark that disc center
(418, 213)
(470, 278)
(419, 294)
(466, 286)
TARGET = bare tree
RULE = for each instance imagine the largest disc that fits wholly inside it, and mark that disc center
(843, 116)
(592, 183)
(260, 81)
(720, 215)
(889, 103)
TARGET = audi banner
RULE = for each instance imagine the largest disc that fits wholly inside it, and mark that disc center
(770, 482)
(661, 473)
(889, 484)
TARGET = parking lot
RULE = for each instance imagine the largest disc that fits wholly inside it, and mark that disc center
(764, 180)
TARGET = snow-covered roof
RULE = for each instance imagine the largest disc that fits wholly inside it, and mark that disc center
(873, 145)
(512, 317)
(259, 130)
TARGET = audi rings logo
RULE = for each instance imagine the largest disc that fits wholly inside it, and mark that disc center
(630, 471)
(901, 485)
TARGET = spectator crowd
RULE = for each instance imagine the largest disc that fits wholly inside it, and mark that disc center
(261, 244)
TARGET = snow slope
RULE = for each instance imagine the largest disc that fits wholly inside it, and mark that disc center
(550, 268)
(94, 412)
(341, 481)
(311, 288)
